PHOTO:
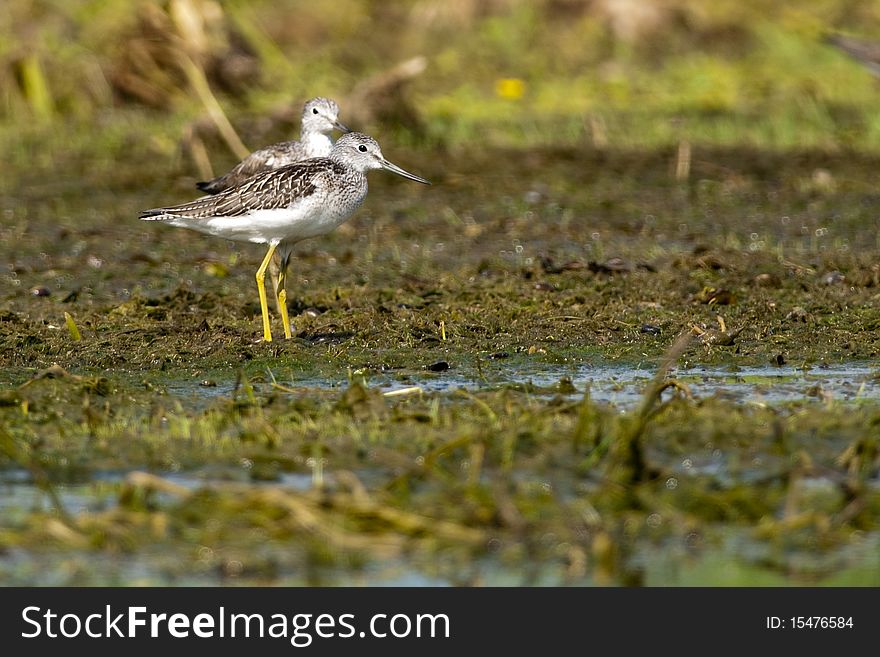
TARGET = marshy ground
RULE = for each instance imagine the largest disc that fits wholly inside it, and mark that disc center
(459, 403)
(632, 345)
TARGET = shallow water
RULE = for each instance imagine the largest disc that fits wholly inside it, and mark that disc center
(20, 497)
(678, 560)
(618, 385)
(675, 561)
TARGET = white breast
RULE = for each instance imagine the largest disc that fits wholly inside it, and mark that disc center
(309, 217)
(317, 145)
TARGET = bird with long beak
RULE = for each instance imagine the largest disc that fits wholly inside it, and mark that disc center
(284, 206)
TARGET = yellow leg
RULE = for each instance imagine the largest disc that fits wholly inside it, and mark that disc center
(261, 287)
(281, 293)
(273, 272)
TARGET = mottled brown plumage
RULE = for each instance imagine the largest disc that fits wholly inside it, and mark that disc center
(267, 190)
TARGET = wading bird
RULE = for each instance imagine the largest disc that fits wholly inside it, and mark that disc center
(284, 206)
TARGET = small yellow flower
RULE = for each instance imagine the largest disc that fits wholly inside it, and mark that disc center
(510, 88)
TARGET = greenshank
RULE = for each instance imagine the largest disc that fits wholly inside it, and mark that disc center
(284, 206)
(319, 118)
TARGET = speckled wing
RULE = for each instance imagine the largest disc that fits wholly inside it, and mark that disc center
(265, 159)
(269, 190)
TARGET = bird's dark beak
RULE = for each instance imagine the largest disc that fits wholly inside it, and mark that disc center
(340, 127)
(400, 172)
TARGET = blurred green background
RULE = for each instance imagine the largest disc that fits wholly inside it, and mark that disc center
(117, 79)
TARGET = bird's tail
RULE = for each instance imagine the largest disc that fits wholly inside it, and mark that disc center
(155, 214)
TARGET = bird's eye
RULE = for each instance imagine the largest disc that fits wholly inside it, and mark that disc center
(314, 110)
(362, 148)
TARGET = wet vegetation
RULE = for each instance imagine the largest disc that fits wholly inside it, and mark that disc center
(669, 191)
